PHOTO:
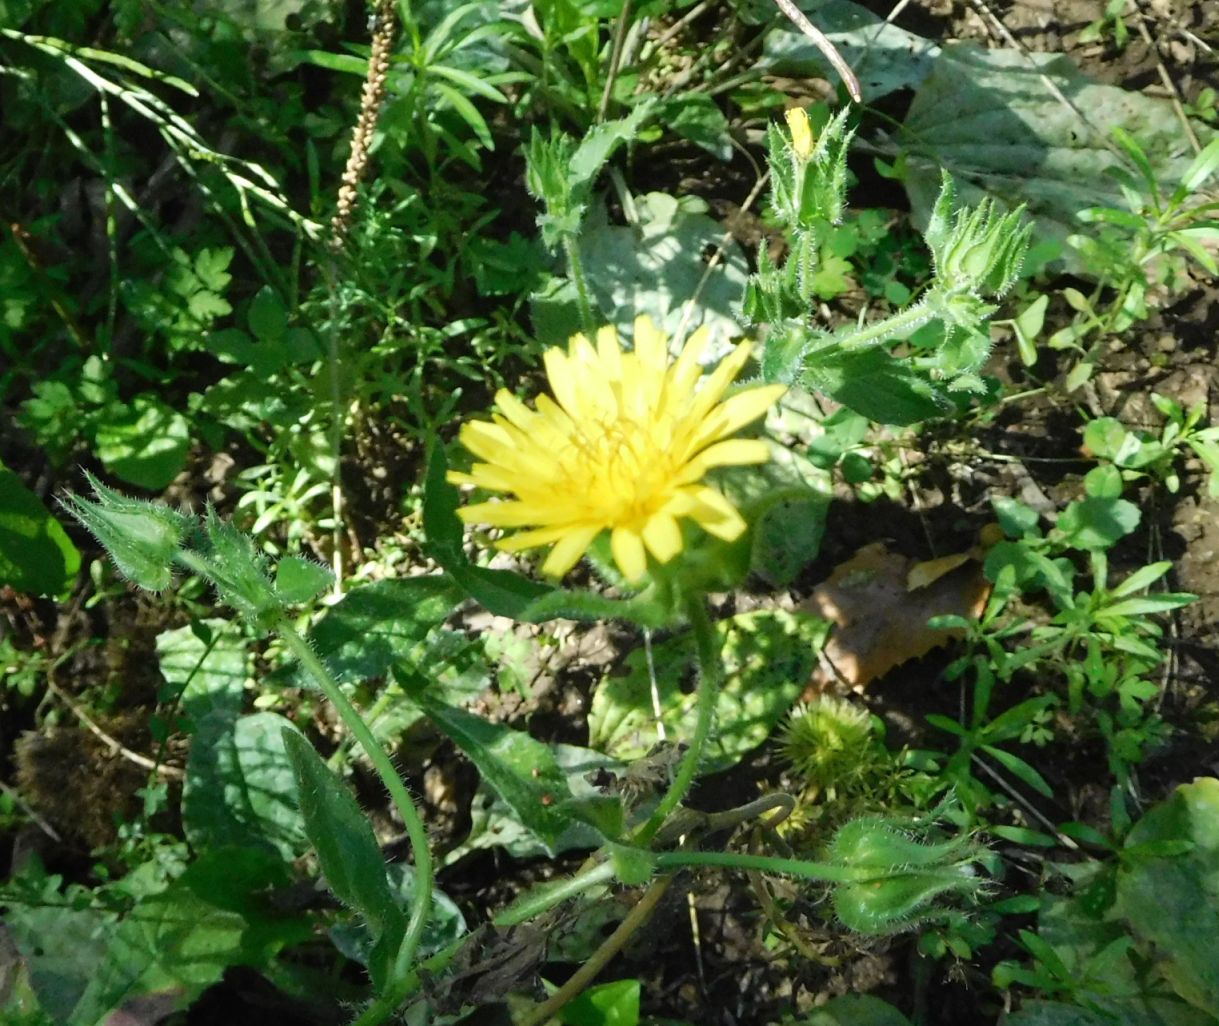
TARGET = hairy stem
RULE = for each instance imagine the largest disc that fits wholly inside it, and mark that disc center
(547, 896)
(710, 675)
(575, 269)
(901, 323)
(417, 834)
(673, 860)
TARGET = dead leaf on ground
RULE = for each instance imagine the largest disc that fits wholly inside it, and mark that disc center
(880, 601)
(483, 973)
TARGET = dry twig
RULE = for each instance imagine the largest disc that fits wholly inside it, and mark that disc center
(111, 742)
(821, 41)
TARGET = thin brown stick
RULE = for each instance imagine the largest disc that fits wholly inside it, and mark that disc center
(770, 909)
(686, 19)
(822, 42)
(584, 976)
(111, 742)
(1174, 94)
(996, 26)
(15, 797)
(1028, 806)
(1198, 41)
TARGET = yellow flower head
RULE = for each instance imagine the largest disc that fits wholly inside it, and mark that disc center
(622, 447)
(801, 130)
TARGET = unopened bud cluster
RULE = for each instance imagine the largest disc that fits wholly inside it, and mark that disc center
(807, 194)
(809, 170)
(548, 177)
(147, 541)
(898, 875)
(977, 250)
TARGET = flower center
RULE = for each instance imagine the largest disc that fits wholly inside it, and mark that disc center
(620, 471)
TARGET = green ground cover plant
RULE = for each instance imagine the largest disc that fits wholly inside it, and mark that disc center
(426, 429)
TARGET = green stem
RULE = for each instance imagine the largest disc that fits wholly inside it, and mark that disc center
(575, 269)
(412, 27)
(389, 695)
(624, 23)
(901, 323)
(671, 860)
(401, 979)
(710, 674)
(547, 896)
(583, 977)
(383, 1007)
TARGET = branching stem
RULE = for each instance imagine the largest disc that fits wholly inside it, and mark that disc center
(584, 976)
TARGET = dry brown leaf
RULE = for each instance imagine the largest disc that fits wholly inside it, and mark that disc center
(926, 573)
(880, 601)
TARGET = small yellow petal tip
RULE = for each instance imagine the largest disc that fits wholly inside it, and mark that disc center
(801, 130)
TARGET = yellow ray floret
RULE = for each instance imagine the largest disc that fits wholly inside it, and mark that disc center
(801, 130)
(623, 446)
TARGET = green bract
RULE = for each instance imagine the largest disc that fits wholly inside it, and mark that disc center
(976, 250)
(238, 572)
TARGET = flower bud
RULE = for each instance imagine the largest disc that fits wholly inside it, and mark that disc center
(977, 250)
(899, 874)
(140, 536)
(808, 172)
(895, 903)
(801, 130)
(239, 573)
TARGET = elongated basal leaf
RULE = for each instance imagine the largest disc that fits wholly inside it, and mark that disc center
(347, 851)
(520, 769)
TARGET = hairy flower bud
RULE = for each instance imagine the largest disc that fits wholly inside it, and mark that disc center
(808, 171)
(140, 536)
(801, 130)
(900, 874)
(238, 572)
(977, 250)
